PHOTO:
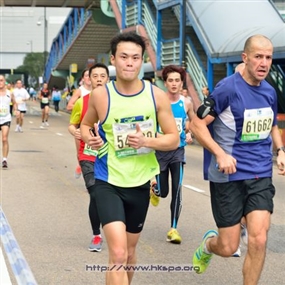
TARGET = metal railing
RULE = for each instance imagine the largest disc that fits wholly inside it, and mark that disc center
(69, 31)
(149, 24)
(19, 265)
(278, 76)
(278, 81)
(131, 15)
(170, 52)
(195, 69)
(170, 49)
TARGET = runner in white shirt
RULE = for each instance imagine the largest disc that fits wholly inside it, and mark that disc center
(83, 90)
(6, 97)
(21, 96)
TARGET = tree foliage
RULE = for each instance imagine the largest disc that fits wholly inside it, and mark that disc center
(33, 66)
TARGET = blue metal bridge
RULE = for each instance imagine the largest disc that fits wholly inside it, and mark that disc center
(206, 37)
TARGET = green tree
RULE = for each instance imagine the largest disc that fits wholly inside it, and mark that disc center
(33, 65)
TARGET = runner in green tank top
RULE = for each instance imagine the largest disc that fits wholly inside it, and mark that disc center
(128, 110)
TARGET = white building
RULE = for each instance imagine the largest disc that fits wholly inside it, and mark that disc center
(22, 31)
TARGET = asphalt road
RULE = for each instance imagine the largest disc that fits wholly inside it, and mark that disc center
(46, 208)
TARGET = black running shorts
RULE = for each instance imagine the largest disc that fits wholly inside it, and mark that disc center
(43, 105)
(233, 200)
(5, 124)
(128, 205)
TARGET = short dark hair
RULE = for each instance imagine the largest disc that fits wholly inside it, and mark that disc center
(127, 37)
(82, 73)
(99, 65)
(173, 68)
(148, 79)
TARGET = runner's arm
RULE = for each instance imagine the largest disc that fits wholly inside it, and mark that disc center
(91, 117)
(74, 121)
(27, 96)
(75, 96)
(225, 162)
(277, 140)
(170, 139)
(15, 105)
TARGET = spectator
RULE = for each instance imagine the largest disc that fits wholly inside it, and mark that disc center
(56, 97)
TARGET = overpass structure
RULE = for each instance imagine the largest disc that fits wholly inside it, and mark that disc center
(81, 35)
(48, 3)
(206, 37)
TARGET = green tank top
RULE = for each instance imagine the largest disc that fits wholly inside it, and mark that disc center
(117, 163)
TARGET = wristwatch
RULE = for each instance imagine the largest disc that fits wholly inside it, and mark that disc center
(280, 148)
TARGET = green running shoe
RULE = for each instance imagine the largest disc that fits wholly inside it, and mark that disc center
(201, 260)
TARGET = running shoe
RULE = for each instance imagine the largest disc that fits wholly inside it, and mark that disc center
(173, 236)
(237, 253)
(4, 164)
(20, 129)
(201, 260)
(17, 129)
(77, 172)
(96, 244)
(46, 124)
(243, 234)
(154, 194)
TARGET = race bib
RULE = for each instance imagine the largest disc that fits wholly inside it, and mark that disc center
(179, 124)
(88, 151)
(44, 100)
(257, 124)
(121, 132)
(19, 100)
(3, 111)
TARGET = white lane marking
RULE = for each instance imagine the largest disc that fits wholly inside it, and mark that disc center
(5, 278)
(194, 188)
(59, 134)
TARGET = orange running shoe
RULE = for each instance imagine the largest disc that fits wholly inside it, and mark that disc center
(77, 172)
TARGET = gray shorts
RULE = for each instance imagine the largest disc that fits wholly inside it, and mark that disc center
(233, 200)
(165, 158)
(87, 168)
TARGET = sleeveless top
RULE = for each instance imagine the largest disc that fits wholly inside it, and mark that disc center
(117, 163)
(5, 115)
(180, 115)
(45, 95)
(84, 91)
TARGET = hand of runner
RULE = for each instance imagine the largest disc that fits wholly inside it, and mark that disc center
(137, 139)
(226, 164)
(188, 138)
(95, 141)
